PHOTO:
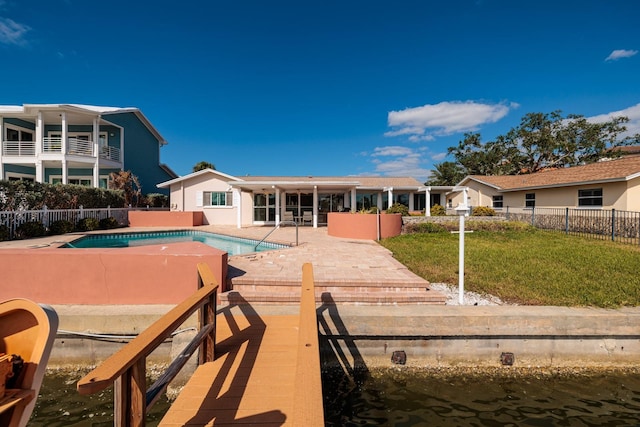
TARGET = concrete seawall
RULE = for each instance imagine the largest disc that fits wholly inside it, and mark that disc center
(429, 335)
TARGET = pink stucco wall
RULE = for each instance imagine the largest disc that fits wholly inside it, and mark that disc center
(157, 274)
(363, 226)
(164, 219)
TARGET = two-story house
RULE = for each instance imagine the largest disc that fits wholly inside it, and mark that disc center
(79, 144)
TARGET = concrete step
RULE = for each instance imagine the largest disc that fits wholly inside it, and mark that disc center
(341, 296)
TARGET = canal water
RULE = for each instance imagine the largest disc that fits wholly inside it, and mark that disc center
(414, 397)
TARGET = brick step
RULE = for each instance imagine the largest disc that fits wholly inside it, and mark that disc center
(338, 296)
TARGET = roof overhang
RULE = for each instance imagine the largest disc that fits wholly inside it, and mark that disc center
(293, 185)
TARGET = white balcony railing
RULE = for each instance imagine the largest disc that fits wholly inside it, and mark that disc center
(53, 145)
(18, 148)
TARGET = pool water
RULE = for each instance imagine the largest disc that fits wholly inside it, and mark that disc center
(232, 245)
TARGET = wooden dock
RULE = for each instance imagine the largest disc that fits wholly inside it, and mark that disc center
(265, 372)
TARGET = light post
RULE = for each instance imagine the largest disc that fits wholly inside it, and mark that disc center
(462, 210)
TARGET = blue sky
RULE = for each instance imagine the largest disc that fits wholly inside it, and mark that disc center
(324, 87)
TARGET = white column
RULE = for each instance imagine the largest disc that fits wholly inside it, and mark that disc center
(65, 173)
(347, 200)
(390, 197)
(122, 147)
(96, 162)
(354, 203)
(427, 202)
(237, 195)
(39, 171)
(315, 206)
(39, 133)
(379, 201)
(64, 133)
(277, 219)
(411, 205)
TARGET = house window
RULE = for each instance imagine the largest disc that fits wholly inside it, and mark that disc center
(15, 134)
(591, 197)
(497, 201)
(530, 200)
(217, 198)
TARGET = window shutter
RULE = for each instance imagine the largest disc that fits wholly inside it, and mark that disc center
(199, 199)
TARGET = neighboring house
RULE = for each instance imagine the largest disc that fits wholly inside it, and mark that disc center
(609, 184)
(79, 144)
(259, 200)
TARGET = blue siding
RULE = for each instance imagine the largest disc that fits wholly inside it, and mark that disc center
(141, 152)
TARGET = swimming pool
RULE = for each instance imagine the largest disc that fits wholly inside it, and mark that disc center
(232, 245)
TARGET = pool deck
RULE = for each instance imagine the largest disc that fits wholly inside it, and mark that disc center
(346, 270)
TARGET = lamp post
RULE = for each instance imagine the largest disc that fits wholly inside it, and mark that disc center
(462, 210)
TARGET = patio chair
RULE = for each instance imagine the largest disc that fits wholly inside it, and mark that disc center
(287, 216)
(307, 216)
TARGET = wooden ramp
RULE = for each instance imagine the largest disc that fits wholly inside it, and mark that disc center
(265, 371)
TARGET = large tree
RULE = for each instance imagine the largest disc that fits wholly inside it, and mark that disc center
(542, 141)
(129, 184)
(203, 165)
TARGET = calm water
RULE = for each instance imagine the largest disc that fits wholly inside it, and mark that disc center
(412, 398)
(232, 245)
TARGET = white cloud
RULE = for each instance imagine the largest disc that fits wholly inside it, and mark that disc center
(12, 32)
(445, 118)
(438, 157)
(621, 53)
(393, 150)
(632, 113)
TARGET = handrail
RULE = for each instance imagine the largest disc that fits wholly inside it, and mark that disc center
(308, 385)
(275, 228)
(127, 369)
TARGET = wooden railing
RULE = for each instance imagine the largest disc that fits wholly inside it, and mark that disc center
(308, 409)
(127, 368)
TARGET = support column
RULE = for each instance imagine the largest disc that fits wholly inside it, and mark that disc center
(379, 201)
(39, 171)
(65, 132)
(39, 134)
(96, 154)
(315, 206)
(278, 214)
(65, 173)
(427, 202)
(237, 202)
(354, 203)
(390, 197)
(411, 203)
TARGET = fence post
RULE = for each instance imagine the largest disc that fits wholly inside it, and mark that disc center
(533, 216)
(566, 221)
(45, 216)
(507, 213)
(613, 225)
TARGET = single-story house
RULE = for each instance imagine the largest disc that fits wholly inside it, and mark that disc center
(262, 200)
(608, 184)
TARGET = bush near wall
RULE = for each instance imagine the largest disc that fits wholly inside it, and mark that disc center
(25, 195)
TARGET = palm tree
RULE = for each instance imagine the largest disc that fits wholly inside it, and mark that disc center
(446, 173)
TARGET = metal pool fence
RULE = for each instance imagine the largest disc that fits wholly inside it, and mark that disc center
(615, 225)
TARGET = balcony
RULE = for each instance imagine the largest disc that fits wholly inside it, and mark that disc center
(53, 145)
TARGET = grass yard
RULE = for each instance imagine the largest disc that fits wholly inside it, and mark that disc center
(532, 267)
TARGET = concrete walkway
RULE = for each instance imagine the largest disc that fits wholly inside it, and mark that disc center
(351, 270)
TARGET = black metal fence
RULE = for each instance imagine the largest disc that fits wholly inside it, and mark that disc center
(614, 225)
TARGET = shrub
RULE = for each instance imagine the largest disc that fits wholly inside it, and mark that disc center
(156, 200)
(483, 211)
(30, 229)
(438, 210)
(4, 232)
(425, 227)
(61, 226)
(108, 223)
(398, 208)
(88, 224)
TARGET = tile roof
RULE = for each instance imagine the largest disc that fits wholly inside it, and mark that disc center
(612, 170)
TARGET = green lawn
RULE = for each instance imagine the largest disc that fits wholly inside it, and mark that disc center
(528, 267)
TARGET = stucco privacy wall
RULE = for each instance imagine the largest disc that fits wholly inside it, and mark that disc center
(157, 274)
